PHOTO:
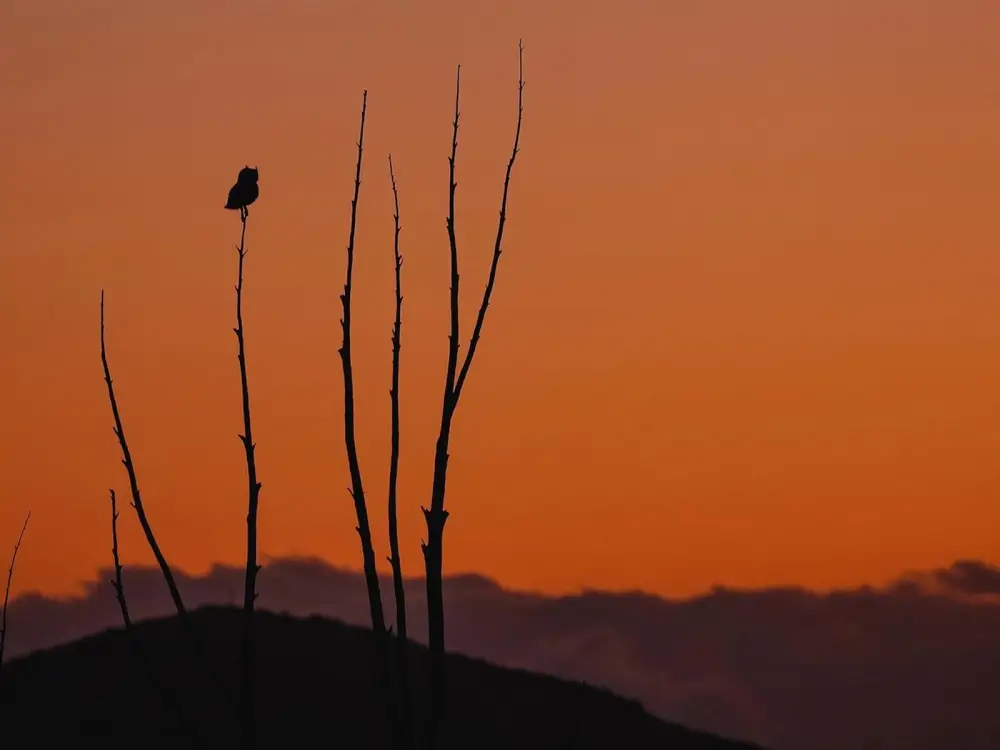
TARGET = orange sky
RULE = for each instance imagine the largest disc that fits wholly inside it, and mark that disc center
(747, 326)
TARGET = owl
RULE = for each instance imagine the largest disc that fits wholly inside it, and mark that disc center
(245, 191)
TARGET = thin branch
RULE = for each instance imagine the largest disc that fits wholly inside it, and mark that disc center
(357, 489)
(481, 318)
(6, 595)
(436, 515)
(117, 580)
(248, 723)
(147, 529)
(140, 510)
(453, 344)
(169, 697)
(402, 648)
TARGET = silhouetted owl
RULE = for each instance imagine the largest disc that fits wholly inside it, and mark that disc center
(245, 191)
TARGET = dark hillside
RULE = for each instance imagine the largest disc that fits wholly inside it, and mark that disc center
(316, 690)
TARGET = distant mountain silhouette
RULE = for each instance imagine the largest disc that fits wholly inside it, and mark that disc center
(316, 689)
(911, 665)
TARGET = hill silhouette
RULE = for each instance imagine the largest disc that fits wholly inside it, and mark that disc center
(316, 688)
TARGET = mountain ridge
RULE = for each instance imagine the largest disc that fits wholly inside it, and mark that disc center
(316, 687)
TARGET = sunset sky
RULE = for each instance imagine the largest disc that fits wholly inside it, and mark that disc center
(746, 329)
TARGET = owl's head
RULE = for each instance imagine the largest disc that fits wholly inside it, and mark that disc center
(248, 174)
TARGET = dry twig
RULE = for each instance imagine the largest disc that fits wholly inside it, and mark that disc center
(147, 529)
(168, 696)
(140, 510)
(6, 595)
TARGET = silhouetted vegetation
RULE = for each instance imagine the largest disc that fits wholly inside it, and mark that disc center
(248, 732)
(391, 664)
(140, 510)
(316, 682)
(396, 687)
(241, 195)
(402, 639)
(436, 515)
(304, 670)
(168, 695)
(6, 593)
(356, 489)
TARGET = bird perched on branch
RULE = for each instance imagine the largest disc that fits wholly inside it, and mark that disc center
(244, 192)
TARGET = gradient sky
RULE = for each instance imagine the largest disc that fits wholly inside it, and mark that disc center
(746, 330)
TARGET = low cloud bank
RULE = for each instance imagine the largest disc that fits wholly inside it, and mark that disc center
(913, 666)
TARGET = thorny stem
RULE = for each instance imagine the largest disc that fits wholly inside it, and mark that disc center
(6, 594)
(497, 250)
(117, 580)
(453, 344)
(248, 731)
(357, 489)
(437, 515)
(147, 529)
(168, 696)
(402, 655)
(140, 510)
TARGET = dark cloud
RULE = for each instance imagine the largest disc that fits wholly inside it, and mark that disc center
(970, 577)
(913, 666)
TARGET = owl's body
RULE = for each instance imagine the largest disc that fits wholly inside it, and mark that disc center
(245, 191)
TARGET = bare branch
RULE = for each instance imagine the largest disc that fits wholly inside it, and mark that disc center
(402, 648)
(117, 580)
(169, 697)
(481, 318)
(6, 595)
(436, 515)
(357, 489)
(248, 722)
(140, 510)
(453, 344)
(147, 529)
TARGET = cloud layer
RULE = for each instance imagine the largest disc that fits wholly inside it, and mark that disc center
(913, 666)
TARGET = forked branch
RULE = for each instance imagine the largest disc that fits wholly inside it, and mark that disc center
(477, 331)
(6, 593)
(453, 344)
(436, 515)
